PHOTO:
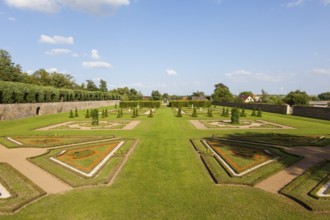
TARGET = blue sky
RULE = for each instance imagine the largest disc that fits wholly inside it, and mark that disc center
(175, 46)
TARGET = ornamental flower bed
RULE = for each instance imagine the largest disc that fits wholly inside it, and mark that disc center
(240, 158)
(87, 158)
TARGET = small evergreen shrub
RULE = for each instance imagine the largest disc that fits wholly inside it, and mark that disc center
(179, 113)
(71, 114)
(254, 112)
(194, 114)
(76, 113)
(259, 114)
(95, 117)
(243, 114)
(87, 114)
(223, 112)
(150, 114)
(106, 114)
(209, 112)
(234, 116)
(227, 112)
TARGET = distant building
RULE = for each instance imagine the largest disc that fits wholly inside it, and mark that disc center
(246, 98)
(200, 98)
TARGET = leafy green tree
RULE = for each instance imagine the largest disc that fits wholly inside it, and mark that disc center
(222, 94)
(324, 96)
(91, 85)
(103, 86)
(297, 98)
(8, 70)
(155, 95)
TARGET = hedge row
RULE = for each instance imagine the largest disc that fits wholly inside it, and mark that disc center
(190, 103)
(13, 92)
(141, 104)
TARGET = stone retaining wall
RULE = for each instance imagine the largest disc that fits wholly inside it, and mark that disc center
(281, 109)
(16, 111)
(312, 112)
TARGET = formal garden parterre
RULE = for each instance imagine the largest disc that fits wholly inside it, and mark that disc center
(165, 160)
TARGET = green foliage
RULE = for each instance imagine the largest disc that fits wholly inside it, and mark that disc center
(87, 114)
(222, 94)
(234, 116)
(259, 114)
(194, 114)
(243, 114)
(324, 96)
(184, 103)
(95, 116)
(209, 112)
(179, 112)
(297, 98)
(223, 112)
(155, 95)
(14, 92)
(140, 104)
(254, 112)
(76, 113)
(135, 113)
(106, 114)
(150, 114)
(71, 114)
(226, 112)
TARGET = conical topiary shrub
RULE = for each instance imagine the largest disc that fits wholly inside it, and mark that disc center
(234, 116)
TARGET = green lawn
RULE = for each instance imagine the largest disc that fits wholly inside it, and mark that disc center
(164, 178)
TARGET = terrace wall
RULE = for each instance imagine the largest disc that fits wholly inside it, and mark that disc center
(281, 109)
(16, 111)
(312, 112)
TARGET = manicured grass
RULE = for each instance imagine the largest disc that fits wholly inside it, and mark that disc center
(240, 158)
(73, 178)
(164, 178)
(22, 190)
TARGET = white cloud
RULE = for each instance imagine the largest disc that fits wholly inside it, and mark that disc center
(56, 39)
(97, 64)
(52, 70)
(95, 6)
(52, 6)
(171, 72)
(321, 71)
(244, 76)
(95, 54)
(48, 6)
(294, 3)
(59, 51)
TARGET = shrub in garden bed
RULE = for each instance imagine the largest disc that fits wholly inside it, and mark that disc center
(303, 188)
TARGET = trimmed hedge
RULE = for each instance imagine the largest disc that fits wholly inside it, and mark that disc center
(197, 104)
(141, 104)
(13, 92)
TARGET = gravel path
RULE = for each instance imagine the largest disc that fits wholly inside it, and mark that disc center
(312, 156)
(17, 159)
